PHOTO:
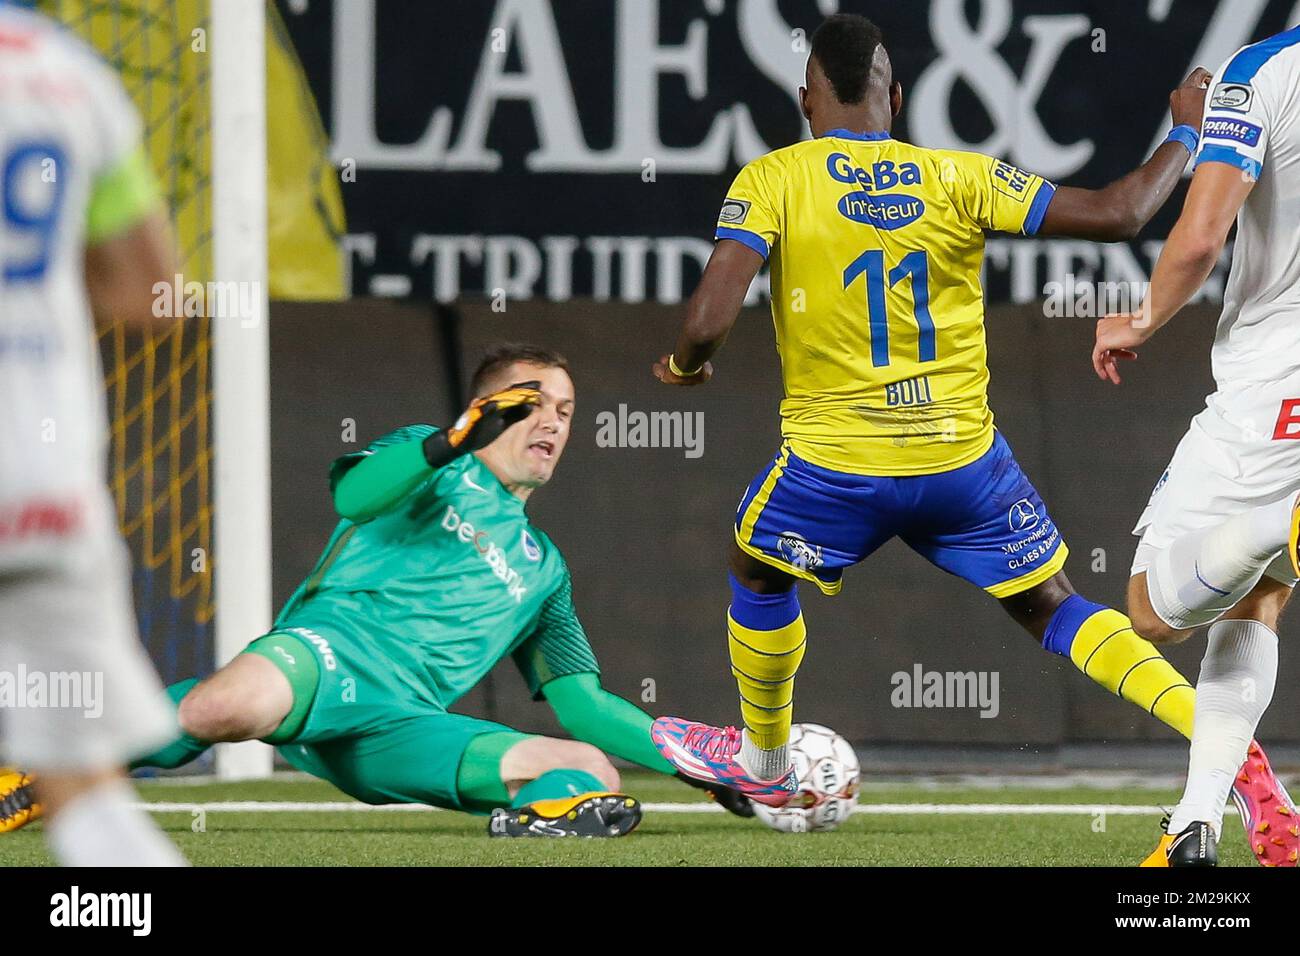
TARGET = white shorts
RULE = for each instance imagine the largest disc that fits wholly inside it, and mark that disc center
(77, 691)
(1228, 462)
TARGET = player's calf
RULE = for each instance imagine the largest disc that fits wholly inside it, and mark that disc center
(1265, 604)
(534, 757)
(1105, 645)
(766, 638)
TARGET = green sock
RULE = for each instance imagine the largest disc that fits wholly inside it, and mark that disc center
(481, 789)
(181, 750)
(556, 785)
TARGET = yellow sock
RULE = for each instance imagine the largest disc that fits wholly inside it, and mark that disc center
(1108, 650)
(764, 664)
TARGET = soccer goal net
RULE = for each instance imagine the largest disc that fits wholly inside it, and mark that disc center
(188, 407)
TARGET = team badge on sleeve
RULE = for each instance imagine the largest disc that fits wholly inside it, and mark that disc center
(1232, 96)
(734, 211)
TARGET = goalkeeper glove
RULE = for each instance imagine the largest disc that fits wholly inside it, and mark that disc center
(730, 800)
(482, 423)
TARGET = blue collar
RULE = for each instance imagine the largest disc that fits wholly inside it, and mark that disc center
(849, 134)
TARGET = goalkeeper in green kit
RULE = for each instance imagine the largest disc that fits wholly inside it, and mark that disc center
(433, 576)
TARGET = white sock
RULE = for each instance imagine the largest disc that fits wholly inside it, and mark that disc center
(1232, 693)
(763, 764)
(1205, 573)
(101, 828)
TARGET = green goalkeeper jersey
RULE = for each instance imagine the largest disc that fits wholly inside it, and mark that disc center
(445, 583)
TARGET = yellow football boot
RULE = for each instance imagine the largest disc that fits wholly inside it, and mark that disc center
(1160, 855)
(595, 814)
(18, 806)
(1195, 846)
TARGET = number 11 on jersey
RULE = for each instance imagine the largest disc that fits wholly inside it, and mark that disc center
(917, 265)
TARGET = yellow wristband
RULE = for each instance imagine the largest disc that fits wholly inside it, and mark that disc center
(672, 367)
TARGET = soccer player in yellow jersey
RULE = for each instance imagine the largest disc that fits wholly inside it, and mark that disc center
(876, 248)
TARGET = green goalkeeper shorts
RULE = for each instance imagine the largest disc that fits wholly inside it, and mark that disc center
(368, 730)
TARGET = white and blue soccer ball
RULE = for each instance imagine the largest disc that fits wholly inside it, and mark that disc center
(827, 773)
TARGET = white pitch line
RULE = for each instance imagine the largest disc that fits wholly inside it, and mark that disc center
(871, 809)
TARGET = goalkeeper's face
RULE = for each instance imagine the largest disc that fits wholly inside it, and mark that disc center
(526, 454)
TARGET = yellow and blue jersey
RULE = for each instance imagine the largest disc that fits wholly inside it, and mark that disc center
(876, 250)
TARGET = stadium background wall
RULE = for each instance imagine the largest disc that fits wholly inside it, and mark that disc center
(454, 184)
(582, 148)
(645, 530)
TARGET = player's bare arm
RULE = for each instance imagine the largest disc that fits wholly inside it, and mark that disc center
(710, 314)
(130, 246)
(1215, 199)
(1118, 212)
(121, 272)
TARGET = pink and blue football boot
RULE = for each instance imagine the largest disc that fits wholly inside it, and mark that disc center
(1267, 811)
(711, 754)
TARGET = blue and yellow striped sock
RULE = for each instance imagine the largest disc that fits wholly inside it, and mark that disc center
(766, 637)
(1102, 643)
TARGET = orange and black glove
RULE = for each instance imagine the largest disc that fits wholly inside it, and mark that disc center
(482, 423)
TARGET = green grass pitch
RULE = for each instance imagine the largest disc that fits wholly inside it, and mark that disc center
(382, 838)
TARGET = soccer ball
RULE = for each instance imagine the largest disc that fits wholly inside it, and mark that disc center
(827, 773)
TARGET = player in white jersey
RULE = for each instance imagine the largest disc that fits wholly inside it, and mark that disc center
(83, 235)
(1218, 539)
